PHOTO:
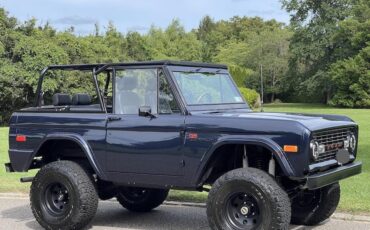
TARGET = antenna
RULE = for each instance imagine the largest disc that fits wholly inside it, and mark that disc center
(261, 88)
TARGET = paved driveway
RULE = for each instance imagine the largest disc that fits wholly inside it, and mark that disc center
(15, 214)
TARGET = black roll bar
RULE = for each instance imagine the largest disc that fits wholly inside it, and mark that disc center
(83, 67)
(39, 86)
(102, 105)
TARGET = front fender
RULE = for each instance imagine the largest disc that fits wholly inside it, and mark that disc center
(279, 154)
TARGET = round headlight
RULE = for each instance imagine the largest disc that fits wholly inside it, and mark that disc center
(352, 142)
(314, 145)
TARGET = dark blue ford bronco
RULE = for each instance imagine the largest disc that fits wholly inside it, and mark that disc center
(136, 130)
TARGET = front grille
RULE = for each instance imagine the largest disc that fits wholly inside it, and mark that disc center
(333, 140)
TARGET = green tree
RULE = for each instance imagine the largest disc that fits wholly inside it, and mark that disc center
(312, 47)
(241, 75)
(350, 74)
(136, 47)
(268, 47)
(352, 78)
(173, 43)
(116, 44)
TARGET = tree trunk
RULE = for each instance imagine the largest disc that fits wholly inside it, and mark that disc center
(273, 86)
(327, 97)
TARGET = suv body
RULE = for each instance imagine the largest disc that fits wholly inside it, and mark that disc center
(185, 138)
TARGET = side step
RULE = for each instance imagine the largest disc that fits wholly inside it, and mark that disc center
(26, 179)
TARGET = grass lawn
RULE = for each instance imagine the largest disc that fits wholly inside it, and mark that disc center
(355, 191)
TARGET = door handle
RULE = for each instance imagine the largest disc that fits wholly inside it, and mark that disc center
(114, 118)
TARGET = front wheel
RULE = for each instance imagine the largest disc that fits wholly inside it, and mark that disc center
(247, 199)
(141, 199)
(63, 196)
(313, 207)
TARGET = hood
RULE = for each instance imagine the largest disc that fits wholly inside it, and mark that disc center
(312, 122)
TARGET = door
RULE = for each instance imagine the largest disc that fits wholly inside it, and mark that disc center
(149, 145)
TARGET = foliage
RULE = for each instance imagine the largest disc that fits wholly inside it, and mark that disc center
(266, 46)
(351, 74)
(352, 77)
(173, 43)
(251, 96)
(327, 32)
(240, 75)
(322, 56)
(25, 49)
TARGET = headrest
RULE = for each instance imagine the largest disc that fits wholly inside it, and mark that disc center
(81, 99)
(151, 84)
(61, 99)
(127, 83)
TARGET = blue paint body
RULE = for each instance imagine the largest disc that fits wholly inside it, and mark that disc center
(156, 152)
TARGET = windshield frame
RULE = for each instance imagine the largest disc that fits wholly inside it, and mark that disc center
(197, 107)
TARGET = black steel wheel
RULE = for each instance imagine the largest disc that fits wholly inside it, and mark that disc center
(242, 211)
(248, 198)
(63, 196)
(315, 206)
(56, 200)
(141, 199)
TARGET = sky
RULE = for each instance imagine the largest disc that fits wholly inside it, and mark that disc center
(137, 15)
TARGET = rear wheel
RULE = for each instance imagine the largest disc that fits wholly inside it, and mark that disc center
(63, 196)
(247, 199)
(313, 207)
(141, 199)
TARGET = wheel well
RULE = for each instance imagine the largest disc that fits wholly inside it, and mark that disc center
(230, 156)
(62, 149)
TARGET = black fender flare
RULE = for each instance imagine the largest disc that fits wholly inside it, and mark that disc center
(81, 142)
(277, 151)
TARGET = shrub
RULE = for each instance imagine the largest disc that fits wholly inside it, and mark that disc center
(277, 101)
(251, 96)
(240, 74)
(351, 78)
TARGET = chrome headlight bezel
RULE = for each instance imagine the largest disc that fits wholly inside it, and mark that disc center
(314, 147)
(352, 141)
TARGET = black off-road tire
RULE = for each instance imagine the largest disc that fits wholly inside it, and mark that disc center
(141, 199)
(66, 186)
(318, 209)
(256, 186)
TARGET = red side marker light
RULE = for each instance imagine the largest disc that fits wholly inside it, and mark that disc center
(20, 138)
(193, 136)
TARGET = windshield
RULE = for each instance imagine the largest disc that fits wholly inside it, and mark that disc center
(207, 88)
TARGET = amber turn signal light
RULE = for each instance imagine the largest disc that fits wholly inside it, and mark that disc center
(290, 148)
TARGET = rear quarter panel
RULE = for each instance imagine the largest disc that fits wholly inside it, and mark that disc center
(36, 126)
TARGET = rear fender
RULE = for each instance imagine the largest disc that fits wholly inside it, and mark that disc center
(71, 137)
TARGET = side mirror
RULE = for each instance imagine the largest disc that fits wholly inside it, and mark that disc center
(145, 111)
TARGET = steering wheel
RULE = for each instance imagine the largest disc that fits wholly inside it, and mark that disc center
(203, 96)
